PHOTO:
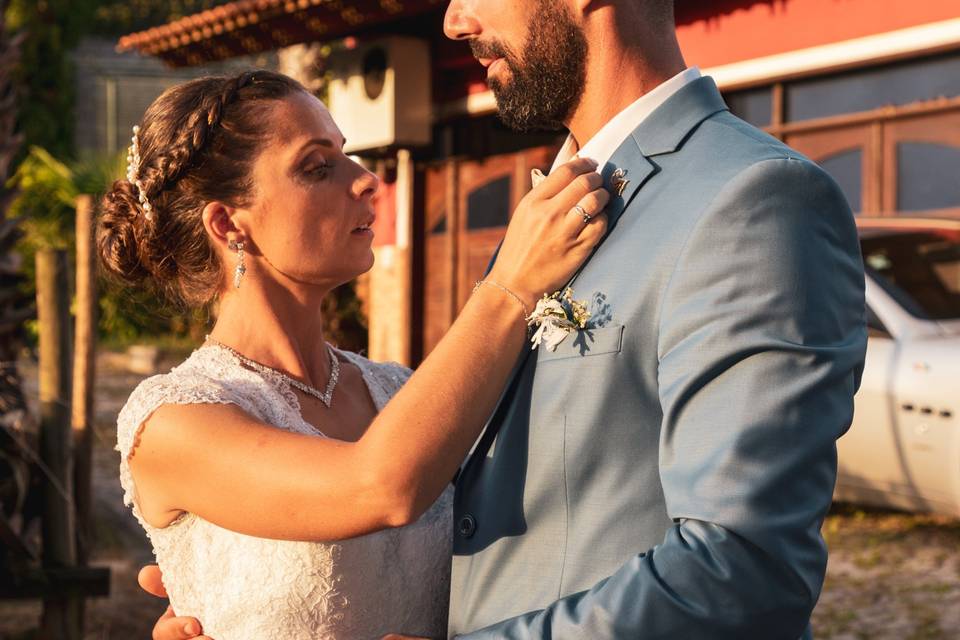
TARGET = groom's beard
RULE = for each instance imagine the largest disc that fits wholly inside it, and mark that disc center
(547, 78)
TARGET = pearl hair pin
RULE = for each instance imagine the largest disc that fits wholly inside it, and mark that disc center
(133, 168)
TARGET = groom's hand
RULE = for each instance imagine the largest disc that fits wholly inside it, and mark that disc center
(168, 626)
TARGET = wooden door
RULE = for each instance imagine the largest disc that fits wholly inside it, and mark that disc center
(893, 162)
(852, 155)
(921, 159)
(439, 249)
(468, 206)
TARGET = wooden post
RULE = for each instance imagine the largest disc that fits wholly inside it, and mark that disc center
(84, 360)
(61, 613)
(452, 208)
(778, 109)
(404, 279)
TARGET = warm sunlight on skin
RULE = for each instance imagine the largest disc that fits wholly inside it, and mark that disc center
(501, 21)
(305, 229)
(312, 210)
(629, 54)
(291, 486)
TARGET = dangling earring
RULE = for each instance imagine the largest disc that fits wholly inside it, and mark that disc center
(241, 268)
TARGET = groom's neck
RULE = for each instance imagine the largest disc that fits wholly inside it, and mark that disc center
(627, 59)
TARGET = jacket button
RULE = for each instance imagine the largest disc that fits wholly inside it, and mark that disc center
(467, 526)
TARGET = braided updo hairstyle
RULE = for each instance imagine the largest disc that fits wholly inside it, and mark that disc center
(197, 144)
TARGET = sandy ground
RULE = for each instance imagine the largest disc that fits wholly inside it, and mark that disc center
(891, 576)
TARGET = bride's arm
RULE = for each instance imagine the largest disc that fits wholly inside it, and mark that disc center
(218, 462)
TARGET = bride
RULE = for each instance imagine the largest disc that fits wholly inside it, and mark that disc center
(284, 496)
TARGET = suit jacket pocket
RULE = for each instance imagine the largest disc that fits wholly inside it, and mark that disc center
(585, 343)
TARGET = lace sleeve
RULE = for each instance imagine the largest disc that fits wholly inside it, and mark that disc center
(393, 376)
(384, 379)
(149, 396)
(388, 376)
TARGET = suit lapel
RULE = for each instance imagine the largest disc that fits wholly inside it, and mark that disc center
(663, 132)
(623, 175)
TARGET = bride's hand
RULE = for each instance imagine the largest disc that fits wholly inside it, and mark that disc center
(548, 237)
(168, 626)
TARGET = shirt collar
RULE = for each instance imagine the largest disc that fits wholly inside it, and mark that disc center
(603, 144)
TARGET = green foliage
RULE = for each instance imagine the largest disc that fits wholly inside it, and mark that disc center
(46, 202)
(50, 176)
(53, 28)
(129, 316)
(48, 189)
(344, 322)
(116, 18)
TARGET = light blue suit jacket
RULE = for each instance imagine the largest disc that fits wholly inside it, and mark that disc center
(664, 474)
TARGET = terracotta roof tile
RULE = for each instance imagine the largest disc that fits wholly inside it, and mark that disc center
(249, 26)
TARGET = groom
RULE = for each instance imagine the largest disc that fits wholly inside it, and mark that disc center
(663, 473)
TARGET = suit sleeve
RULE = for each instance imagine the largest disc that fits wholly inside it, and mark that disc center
(761, 345)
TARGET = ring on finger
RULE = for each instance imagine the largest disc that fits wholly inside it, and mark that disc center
(583, 212)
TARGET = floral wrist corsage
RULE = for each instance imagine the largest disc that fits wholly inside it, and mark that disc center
(556, 316)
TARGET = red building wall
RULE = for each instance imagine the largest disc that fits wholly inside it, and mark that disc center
(717, 32)
(385, 206)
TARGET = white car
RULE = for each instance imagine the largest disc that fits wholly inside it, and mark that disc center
(903, 449)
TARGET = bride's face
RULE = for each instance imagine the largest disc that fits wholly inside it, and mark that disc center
(310, 216)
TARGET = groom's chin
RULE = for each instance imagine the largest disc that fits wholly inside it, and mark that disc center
(518, 109)
(525, 122)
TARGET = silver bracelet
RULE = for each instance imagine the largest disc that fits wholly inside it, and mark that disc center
(494, 283)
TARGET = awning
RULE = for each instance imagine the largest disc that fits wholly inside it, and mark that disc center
(247, 27)
(252, 26)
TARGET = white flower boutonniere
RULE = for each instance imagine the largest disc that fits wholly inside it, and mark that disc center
(555, 317)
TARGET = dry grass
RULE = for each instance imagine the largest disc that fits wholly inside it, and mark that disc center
(892, 576)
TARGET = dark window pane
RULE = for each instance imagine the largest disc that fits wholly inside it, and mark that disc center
(919, 270)
(867, 89)
(928, 176)
(846, 168)
(441, 225)
(485, 136)
(489, 206)
(755, 106)
(875, 326)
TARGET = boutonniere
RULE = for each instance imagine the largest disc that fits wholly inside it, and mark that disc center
(556, 316)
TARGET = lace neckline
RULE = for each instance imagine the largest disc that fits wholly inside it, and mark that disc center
(283, 387)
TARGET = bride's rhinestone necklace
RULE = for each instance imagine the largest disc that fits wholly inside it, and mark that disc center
(325, 396)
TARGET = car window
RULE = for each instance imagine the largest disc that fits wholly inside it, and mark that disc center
(875, 327)
(920, 270)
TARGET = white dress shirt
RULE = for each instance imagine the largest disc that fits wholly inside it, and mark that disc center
(606, 141)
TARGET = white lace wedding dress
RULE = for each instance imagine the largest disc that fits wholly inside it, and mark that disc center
(247, 588)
